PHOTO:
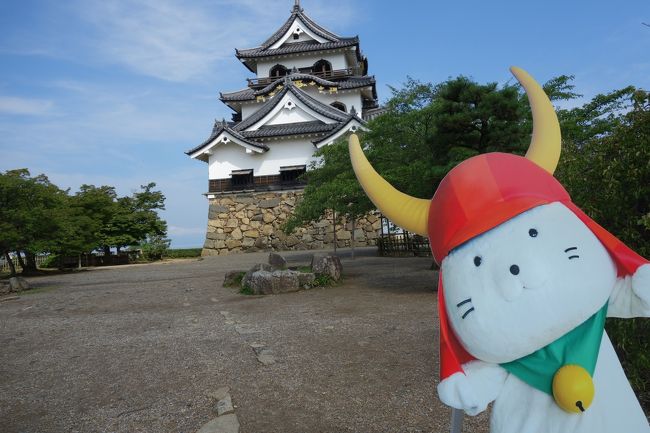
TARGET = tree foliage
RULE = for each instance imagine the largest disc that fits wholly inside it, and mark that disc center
(606, 168)
(38, 217)
(428, 129)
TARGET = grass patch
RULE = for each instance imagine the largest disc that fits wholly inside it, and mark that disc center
(236, 282)
(304, 269)
(323, 281)
(183, 253)
(246, 290)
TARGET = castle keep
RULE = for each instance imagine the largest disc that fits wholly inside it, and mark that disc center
(311, 88)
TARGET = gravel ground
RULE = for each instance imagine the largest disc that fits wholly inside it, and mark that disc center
(139, 349)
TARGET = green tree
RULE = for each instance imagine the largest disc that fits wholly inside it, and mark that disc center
(333, 188)
(135, 218)
(425, 132)
(29, 220)
(99, 205)
(606, 168)
(117, 222)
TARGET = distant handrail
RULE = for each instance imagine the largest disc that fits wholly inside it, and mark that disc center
(327, 75)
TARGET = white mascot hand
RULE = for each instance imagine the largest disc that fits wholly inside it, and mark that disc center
(474, 390)
(641, 285)
(631, 296)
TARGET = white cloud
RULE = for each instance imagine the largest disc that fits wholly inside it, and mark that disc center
(27, 106)
(177, 40)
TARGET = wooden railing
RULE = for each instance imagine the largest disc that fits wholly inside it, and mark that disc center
(403, 244)
(260, 183)
(336, 74)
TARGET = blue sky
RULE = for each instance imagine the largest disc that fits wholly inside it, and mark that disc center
(114, 91)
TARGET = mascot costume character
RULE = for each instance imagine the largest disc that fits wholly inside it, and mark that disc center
(526, 282)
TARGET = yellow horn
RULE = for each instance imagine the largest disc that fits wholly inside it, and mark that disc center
(405, 211)
(545, 146)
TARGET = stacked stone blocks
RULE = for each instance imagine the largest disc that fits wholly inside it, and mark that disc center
(253, 222)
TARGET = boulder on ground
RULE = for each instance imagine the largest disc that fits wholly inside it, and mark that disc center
(5, 288)
(279, 281)
(232, 278)
(277, 261)
(18, 284)
(245, 281)
(327, 264)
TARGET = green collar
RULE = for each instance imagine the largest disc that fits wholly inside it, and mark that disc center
(580, 346)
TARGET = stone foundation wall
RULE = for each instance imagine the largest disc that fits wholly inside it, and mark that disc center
(253, 222)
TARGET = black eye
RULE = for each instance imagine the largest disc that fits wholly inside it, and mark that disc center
(478, 260)
(532, 233)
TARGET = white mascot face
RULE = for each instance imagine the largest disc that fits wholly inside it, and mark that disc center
(525, 283)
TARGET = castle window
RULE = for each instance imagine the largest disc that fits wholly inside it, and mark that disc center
(322, 67)
(241, 179)
(278, 71)
(339, 106)
(291, 174)
(296, 36)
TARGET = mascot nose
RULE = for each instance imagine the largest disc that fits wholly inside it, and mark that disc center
(514, 270)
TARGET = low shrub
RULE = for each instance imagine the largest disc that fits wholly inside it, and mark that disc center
(183, 253)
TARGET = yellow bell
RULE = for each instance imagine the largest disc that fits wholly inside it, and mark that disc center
(573, 388)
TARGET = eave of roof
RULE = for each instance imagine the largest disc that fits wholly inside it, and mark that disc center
(339, 127)
(298, 47)
(290, 129)
(310, 102)
(250, 94)
(220, 127)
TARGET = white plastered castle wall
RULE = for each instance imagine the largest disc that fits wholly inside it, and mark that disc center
(230, 156)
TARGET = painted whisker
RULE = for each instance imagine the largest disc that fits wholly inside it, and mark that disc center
(467, 312)
(464, 302)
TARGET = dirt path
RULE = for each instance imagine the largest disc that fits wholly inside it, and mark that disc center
(140, 348)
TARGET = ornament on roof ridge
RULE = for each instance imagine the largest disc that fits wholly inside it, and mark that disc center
(526, 281)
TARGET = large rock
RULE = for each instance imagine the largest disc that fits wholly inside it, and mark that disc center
(266, 204)
(279, 281)
(327, 264)
(245, 281)
(5, 288)
(18, 284)
(277, 261)
(232, 278)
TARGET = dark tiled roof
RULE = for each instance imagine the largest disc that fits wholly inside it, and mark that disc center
(294, 77)
(340, 126)
(310, 102)
(298, 47)
(218, 128)
(291, 129)
(249, 94)
(298, 12)
(239, 95)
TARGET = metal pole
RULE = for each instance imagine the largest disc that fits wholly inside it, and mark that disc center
(456, 421)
